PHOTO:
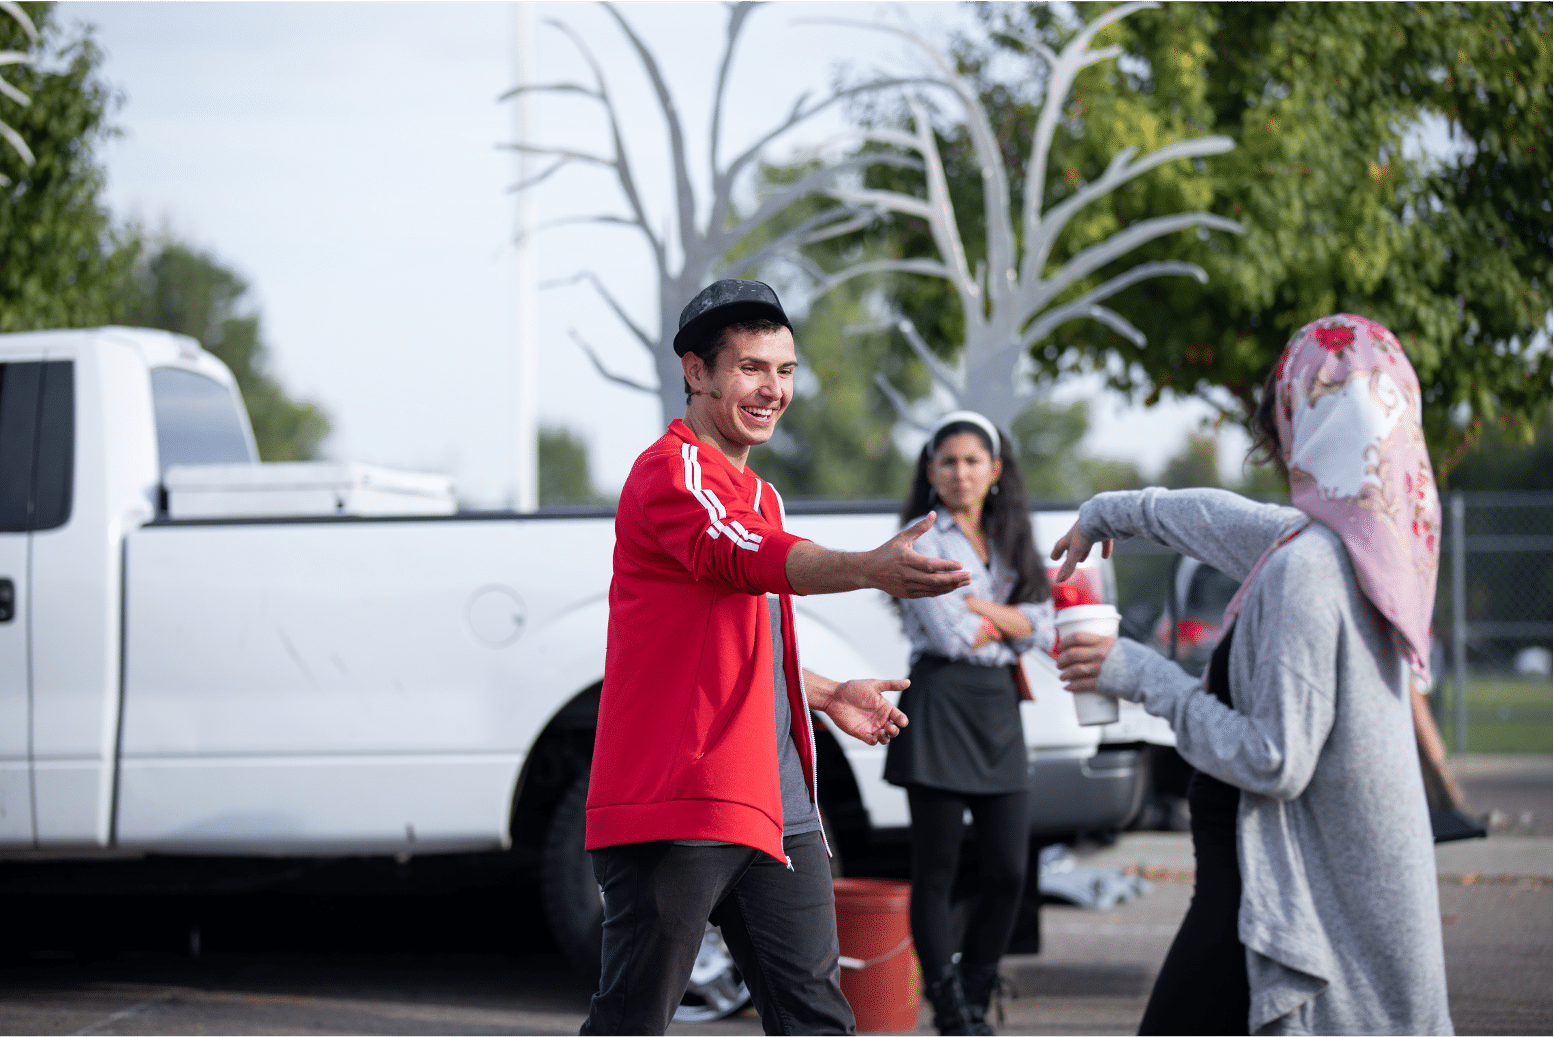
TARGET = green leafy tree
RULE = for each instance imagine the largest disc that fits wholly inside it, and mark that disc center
(1495, 462)
(564, 473)
(178, 288)
(1196, 465)
(1340, 213)
(61, 265)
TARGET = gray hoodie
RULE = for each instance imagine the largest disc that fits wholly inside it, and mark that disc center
(1340, 914)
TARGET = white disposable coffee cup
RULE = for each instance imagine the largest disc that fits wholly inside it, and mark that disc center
(1091, 706)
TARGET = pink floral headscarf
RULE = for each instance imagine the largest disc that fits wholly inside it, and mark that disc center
(1348, 412)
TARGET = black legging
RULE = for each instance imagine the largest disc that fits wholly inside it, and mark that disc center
(1003, 846)
(1202, 986)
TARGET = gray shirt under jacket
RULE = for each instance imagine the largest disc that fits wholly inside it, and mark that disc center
(1340, 913)
(799, 813)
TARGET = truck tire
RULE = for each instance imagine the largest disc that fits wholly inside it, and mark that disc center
(576, 915)
(572, 904)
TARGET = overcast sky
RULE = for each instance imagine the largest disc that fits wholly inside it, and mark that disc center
(343, 158)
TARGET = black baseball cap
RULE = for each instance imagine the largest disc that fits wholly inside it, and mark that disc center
(725, 302)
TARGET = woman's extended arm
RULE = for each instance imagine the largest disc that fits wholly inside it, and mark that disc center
(1270, 743)
(1223, 529)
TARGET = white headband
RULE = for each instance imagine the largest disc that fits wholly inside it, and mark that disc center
(971, 417)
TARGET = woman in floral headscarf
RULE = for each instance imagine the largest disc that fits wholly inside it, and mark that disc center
(1315, 907)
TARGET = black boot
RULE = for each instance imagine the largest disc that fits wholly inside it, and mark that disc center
(950, 1014)
(979, 983)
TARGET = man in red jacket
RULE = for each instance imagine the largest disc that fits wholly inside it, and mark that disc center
(702, 801)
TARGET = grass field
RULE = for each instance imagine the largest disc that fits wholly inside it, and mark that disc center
(1506, 714)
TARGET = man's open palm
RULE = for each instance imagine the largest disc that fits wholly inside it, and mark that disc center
(858, 708)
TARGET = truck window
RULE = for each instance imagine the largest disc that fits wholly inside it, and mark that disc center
(37, 444)
(197, 420)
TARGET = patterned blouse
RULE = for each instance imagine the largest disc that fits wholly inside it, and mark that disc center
(945, 626)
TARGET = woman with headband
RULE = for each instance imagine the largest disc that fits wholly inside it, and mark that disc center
(964, 749)
(1315, 907)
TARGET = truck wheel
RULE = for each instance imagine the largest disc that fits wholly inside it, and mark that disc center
(576, 915)
(571, 896)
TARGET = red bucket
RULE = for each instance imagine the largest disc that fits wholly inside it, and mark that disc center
(880, 974)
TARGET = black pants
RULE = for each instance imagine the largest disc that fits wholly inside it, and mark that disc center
(780, 926)
(1003, 849)
(1202, 987)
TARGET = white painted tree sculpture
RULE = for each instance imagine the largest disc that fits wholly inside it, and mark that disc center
(691, 252)
(16, 57)
(1009, 302)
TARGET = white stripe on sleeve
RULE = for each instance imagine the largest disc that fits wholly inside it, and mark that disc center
(709, 500)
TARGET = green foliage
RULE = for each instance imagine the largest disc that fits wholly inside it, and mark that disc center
(1454, 257)
(564, 472)
(1046, 440)
(1495, 462)
(179, 289)
(60, 265)
(1196, 465)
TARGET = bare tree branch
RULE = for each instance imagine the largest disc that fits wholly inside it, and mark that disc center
(618, 379)
(1126, 240)
(540, 177)
(999, 300)
(1143, 272)
(16, 57)
(787, 194)
(899, 402)
(575, 221)
(1118, 323)
(623, 172)
(610, 300)
(953, 380)
(565, 153)
(1075, 57)
(1039, 245)
(927, 267)
(549, 88)
(892, 201)
(15, 10)
(799, 114)
(736, 21)
(822, 225)
(685, 198)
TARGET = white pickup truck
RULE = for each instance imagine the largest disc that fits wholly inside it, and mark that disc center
(203, 655)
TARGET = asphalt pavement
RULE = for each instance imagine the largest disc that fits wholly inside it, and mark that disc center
(1093, 975)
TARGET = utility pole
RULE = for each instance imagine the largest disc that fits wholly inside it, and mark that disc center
(526, 394)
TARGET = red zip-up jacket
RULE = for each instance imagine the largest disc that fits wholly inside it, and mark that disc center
(686, 745)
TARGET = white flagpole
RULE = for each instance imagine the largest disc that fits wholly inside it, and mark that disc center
(526, 478)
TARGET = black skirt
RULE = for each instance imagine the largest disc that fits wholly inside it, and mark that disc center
(963, 733)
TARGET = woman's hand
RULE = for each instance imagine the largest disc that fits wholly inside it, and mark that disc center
(1080, 661)
(1076, 546)
(998, 621)
(987, 633)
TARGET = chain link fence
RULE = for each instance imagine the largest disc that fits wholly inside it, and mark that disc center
(1494, 623)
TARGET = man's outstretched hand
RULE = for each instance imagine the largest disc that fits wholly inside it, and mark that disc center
(893, 567)
(898, 570)
(857, 706)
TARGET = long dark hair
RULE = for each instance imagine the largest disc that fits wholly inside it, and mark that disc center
(1264, 427)
(1004, 516)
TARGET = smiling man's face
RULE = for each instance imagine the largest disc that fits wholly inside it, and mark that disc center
(736, 405)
